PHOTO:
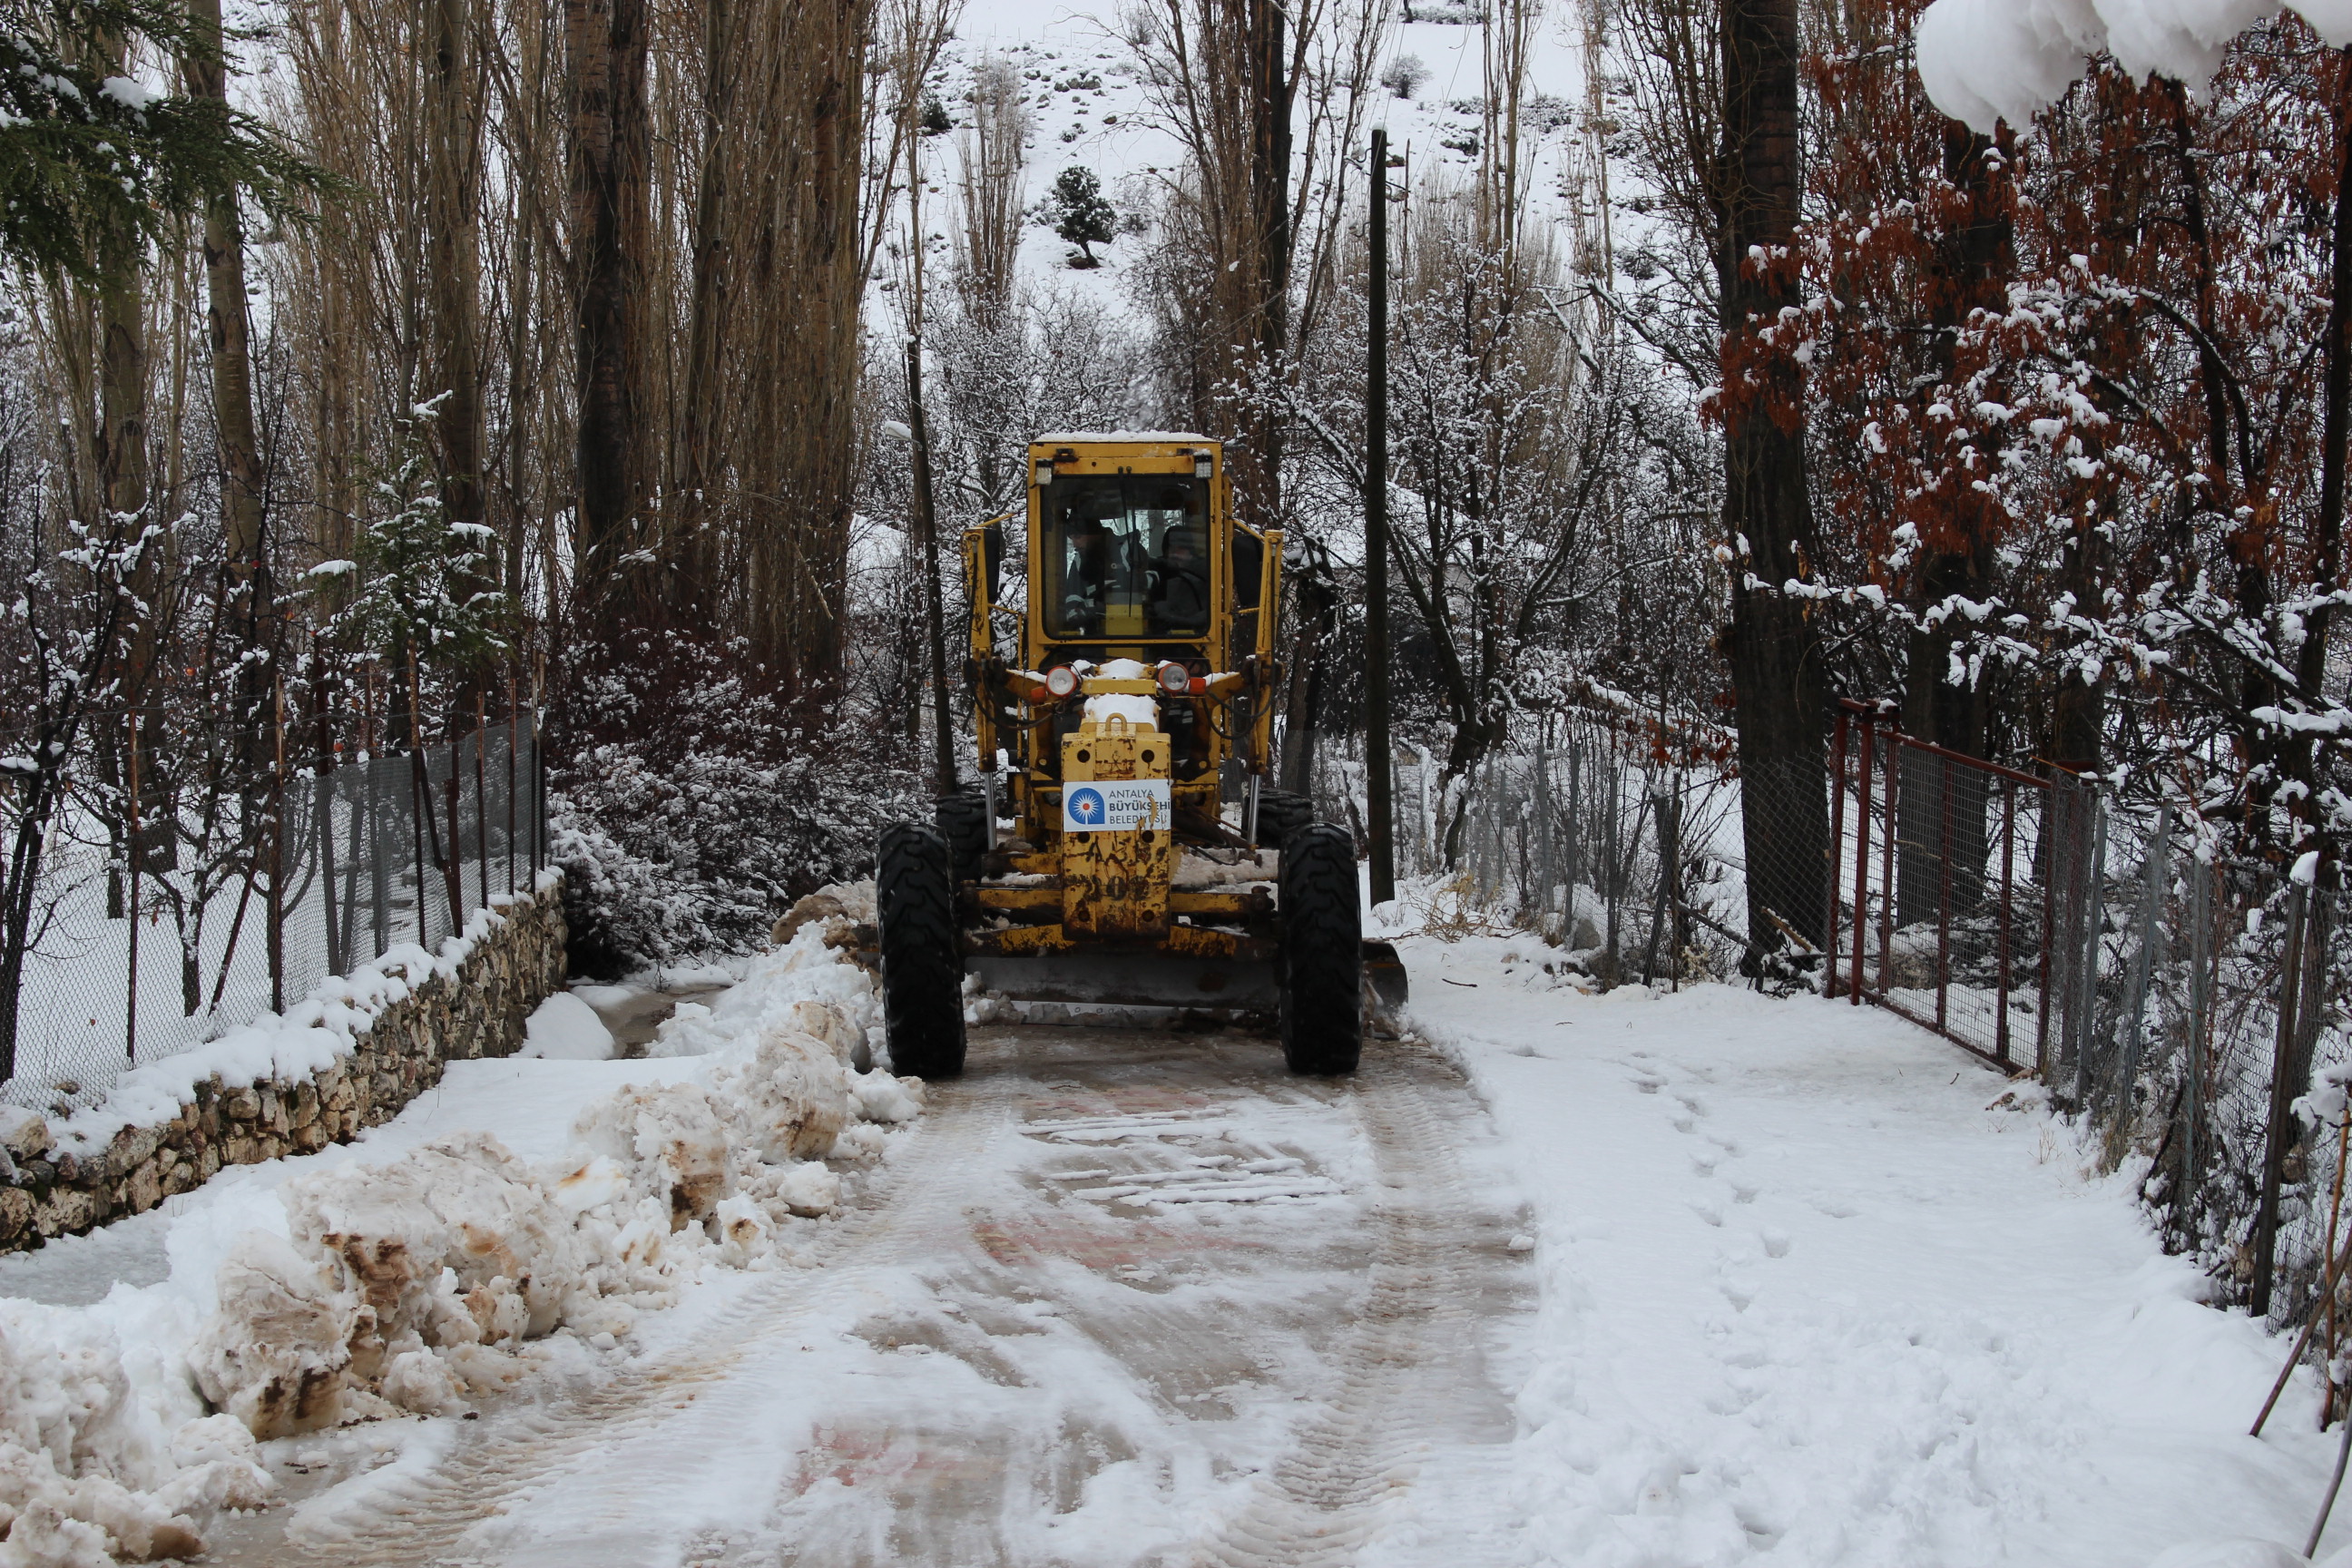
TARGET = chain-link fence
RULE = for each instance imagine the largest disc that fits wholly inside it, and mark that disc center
(2213, 1044)
(2184, 1007)
(1591, 835)
(152, 937)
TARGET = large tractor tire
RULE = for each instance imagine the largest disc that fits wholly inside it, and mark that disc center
(1281, 813)
(922, 959)
(962, 819)
(1322, 958)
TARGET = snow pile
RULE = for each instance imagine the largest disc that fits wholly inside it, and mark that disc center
(809, 968)
(566, 1028)
(1986, 60)
(417, 1283)
(88, 1473)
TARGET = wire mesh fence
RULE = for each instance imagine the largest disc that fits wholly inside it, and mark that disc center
(156, 936)
(2184, 1007)
(1593, 835)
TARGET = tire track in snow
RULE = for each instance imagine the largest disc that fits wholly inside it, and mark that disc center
(417, 1520)
(1412, 1392)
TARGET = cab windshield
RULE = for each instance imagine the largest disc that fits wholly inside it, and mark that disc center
(1125, 555)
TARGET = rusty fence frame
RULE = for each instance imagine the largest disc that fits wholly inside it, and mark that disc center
(2047, 921)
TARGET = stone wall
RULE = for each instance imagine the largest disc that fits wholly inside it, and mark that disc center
(477, 1010)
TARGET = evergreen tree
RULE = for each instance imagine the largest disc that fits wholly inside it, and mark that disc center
(418, 579)
(1082, 214)
(92, 163)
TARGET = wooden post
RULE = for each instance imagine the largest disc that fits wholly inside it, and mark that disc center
(1379, 750)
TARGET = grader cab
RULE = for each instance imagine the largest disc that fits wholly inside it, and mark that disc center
(1121, 846)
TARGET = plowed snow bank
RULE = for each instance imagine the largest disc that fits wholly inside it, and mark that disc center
(416, 1281)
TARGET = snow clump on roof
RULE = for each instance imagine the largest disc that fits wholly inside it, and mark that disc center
(1987, 60)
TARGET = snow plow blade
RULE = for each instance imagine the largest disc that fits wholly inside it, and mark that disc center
(1384, 976)
(1131, 980)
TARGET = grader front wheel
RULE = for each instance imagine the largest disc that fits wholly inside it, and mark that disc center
(923, 963)
(1322, 953)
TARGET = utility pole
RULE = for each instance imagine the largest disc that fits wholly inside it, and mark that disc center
(1379, 763)
(926, 517)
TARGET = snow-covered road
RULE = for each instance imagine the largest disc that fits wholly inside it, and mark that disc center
(1618, 1281)
(1122, 1297)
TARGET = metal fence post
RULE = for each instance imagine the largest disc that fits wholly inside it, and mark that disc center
(481, 800)
(2283, 1090)
(274, 912)
(1887, 885)
(2008, 914)
(136, 847)
(1837, 855)
(2096, 893)
(2143, 965)
(1944, 894)
(2201, 1009)
(1862, 780)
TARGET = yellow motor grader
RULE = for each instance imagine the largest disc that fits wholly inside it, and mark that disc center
(1121, 846)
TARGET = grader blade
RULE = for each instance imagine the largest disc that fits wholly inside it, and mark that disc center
(1131, 980)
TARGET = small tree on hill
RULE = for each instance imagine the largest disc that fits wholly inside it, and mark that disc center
(1082, 214)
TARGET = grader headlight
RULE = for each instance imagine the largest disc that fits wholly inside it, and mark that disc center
(1061, 680)
(1174, 679)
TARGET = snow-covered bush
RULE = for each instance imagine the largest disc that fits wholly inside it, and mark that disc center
(696, 794)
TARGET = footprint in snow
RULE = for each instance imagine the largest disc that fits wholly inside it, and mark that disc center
(1741, 1193)
(1836, 1208)
(1776, 1242)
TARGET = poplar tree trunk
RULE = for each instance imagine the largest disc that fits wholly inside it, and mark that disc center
(1775, 650)
(695, 457)
(2335, 429)
(229, 331)
(453, 259)
(806, 404)
(1272, 89)
(610, 220)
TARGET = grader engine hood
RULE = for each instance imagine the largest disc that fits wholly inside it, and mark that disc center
(1119, 838)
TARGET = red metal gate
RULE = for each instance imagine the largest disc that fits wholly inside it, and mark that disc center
(1961, 890)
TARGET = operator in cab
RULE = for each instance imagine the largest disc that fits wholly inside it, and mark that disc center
(1179, 578)
(1099, 570)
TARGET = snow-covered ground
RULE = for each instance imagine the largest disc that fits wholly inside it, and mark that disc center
(1818, 1288)
(1692, 1279)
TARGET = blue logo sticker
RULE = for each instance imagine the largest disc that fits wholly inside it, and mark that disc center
(1087, 807)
